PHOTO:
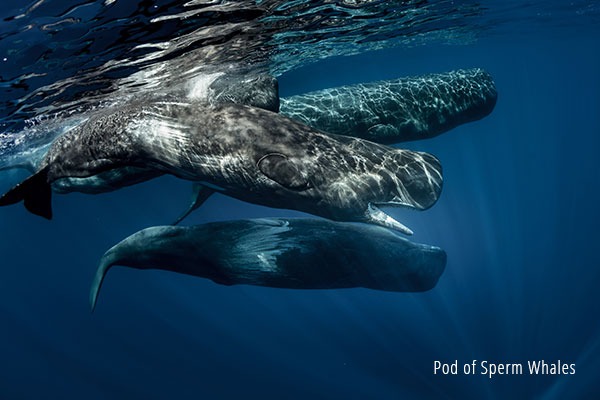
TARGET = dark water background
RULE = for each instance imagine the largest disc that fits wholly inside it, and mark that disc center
(518, 218)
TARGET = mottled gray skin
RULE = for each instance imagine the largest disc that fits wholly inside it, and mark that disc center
(281, 253)
(397, 110)
(260, 91)
(248, 153)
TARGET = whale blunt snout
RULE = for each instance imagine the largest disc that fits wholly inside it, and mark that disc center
(427, 263)
(423, 181)
(417, 186)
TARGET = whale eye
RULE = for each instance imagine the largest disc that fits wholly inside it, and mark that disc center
(286, 172)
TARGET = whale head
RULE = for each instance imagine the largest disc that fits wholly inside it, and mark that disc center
(411, 180)
(352, 180)
(245, 152)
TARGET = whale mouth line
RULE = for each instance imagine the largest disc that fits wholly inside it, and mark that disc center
(378, 217)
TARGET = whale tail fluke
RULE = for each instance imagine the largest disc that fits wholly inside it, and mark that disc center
(35, 192)
(107, 261)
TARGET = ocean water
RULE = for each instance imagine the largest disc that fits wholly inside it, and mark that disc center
(518, 216)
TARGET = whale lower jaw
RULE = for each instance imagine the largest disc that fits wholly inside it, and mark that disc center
(376, 216)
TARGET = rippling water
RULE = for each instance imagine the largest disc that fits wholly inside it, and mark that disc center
(65, 56)
(518, 216)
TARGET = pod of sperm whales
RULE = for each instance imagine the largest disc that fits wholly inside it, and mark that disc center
(244, 152)
(281, 253)
(397, 110)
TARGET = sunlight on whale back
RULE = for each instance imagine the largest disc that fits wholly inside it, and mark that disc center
(261, 243)
(199, 87)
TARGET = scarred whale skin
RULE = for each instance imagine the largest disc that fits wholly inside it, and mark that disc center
(398, 110)
(260, 91)
(248, 153)
(281, 253)
(256, 90)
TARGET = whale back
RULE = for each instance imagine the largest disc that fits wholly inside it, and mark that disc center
(397, 110)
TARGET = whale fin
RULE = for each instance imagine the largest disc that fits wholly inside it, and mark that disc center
(35, 192)
(283, 170)
(107, 261)
(199, 195)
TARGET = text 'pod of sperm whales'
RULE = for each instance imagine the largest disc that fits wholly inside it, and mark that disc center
(397, 110)
(281, 253)
(244, 152)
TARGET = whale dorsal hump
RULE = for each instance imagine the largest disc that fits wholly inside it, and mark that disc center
(283, 170)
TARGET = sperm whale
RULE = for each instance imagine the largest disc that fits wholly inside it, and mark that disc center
(398, 110)
(281, 253)
(244, 152)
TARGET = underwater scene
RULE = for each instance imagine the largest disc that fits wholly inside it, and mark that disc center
(354, 199)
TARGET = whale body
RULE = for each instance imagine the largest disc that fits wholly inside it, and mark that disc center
(254, 90)
(397, 110)
(251, 89)
(281, 253)
(247, 153)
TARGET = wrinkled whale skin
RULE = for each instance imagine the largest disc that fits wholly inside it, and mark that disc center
(254, 90)
(248, 153)
(251, 89)
(260, 91)
(397, 110)
(282, 253)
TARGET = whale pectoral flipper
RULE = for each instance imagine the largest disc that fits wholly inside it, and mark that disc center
(35, 192)
(199, 195)
(283, 170)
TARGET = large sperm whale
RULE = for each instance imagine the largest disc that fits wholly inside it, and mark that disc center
(240, 87)
(244, 152)
(282, 253)
(384, 111)
(398, 110)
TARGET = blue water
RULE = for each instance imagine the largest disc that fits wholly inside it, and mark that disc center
(518, 218)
